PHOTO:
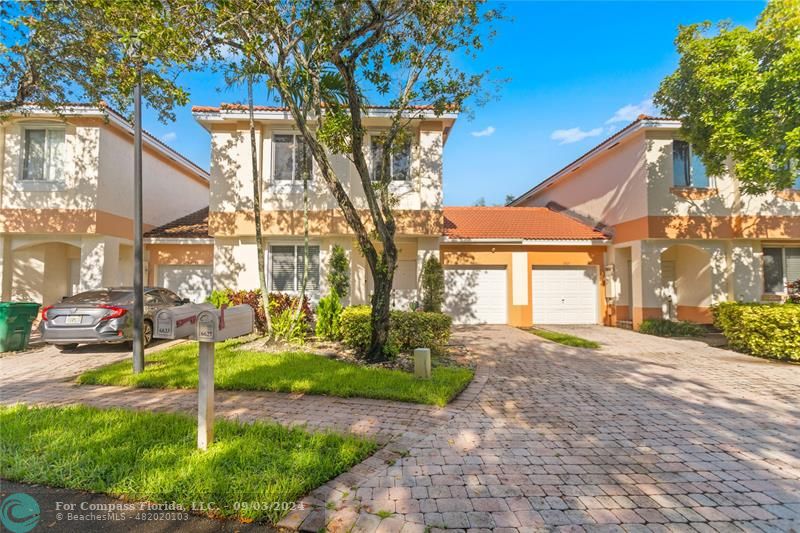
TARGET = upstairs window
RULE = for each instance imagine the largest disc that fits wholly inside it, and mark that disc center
(43, 154)
(291, 158)
(687, 168)
(286, 268)
(781, 266)
(399, 162)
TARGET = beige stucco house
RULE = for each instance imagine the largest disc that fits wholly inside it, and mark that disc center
(681, 240)
(66, 203)
(500, 263)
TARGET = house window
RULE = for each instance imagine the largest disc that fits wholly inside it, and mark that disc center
(43, 154)
(291, 158)
(687, 168)
(286, 268)
(399, 164)
(781, 266)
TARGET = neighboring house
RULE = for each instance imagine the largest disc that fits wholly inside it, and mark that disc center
(502, 265)
(66, 199)
(682, 240)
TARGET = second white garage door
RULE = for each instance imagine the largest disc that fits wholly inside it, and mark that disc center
(188, 281)
(476, 295)
(564, 295)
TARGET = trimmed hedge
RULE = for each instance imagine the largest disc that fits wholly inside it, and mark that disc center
(766, 330)
(407, 329)
(670, 328)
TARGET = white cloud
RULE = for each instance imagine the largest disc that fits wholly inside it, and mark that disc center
(574, 135)
(630, 112)
(488, 130)
(169, 137)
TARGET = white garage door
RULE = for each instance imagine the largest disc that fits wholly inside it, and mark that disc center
(188, 281)
(564, 295)
(476, 295)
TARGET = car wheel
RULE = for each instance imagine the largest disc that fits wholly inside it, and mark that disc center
(67, 347)
(147, 332)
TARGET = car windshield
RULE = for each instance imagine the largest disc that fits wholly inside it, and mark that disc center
(101, 297)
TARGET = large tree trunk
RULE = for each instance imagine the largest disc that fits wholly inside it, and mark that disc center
(382, 276)
(262, 277)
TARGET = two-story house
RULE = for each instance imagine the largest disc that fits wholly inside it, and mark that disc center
(502, 265)
(66, 199)
(682, 240)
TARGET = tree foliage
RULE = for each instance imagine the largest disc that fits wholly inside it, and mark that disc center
(326, 59)
(55, 53)
(737, 93)
(339, 272)
(432, 285)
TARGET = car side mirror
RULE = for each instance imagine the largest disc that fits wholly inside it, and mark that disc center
(185, 301)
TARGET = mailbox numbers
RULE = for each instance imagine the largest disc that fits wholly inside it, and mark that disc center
(205, 327)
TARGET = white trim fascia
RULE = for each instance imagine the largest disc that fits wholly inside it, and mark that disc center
(178, 240)
(530, 242)
(664, 124)
(224, 115)
(117, 120)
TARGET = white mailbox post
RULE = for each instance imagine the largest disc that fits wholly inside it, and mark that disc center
(214, 325)
(179, 322)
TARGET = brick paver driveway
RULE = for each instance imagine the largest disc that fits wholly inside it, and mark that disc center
(645, 434)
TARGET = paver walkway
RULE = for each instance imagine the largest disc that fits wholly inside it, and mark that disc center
(644, 434)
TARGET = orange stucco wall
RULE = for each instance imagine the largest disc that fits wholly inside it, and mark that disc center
(177, 254)
(500, 255)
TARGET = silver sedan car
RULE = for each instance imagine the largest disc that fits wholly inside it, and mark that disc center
(102, 316)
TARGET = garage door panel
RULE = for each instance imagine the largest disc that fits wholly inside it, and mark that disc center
(188, 281)
(476, 295)
(564, 295)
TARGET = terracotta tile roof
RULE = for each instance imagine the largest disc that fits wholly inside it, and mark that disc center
(514, 223)
(191, 226)
(240, 107)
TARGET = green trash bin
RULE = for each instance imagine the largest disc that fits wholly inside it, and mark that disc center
(16, 319)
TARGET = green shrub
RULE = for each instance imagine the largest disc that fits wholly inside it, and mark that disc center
(766, 330)
(278, 302)
(288, 328)
(407, 330)
(339, 271)
(432, 285)
(670, 328)
(329, 314)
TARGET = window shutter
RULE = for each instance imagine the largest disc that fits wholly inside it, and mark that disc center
(401, 163)
(34, 158)
(313, 267)
(680, 164)
(773, 270)
(792, 264)
(282, 268)
(55, 154)
(282, 163)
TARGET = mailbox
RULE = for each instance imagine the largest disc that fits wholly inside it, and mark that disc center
(216, 325)
(179, 322)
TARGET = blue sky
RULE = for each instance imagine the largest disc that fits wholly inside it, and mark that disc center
(579, 71)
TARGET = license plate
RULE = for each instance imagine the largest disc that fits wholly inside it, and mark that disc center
(74, 319)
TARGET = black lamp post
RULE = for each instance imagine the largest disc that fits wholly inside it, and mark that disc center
(138, 259)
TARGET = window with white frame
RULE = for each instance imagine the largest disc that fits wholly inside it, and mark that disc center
(291, 158)
(687, 168)
(286, 267)
(781, 266)
(399, 161)
(42, 154)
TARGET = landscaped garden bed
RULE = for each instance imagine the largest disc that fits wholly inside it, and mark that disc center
(239, 368)
(765, 330)
(251, 472)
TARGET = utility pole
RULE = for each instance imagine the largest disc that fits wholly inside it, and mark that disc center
(138, 263)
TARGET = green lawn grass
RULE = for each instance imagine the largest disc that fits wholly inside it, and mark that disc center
(143, 456)
(237, 369)
(564, 338)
